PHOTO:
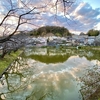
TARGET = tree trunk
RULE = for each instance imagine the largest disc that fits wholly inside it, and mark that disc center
(2, 56)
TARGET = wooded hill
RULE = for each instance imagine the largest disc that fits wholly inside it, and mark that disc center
(93, 32)
(56, 30)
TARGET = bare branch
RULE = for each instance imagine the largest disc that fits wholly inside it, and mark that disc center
(19, 23)
(5, 17)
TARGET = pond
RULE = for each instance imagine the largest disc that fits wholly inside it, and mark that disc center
(47, 74)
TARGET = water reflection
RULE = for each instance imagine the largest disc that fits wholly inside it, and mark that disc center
(90, 89)
(53, 55)
(47, 55)
(30, 78)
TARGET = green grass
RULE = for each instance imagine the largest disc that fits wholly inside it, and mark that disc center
(8, 59)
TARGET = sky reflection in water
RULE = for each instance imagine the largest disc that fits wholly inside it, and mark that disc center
(34, 78)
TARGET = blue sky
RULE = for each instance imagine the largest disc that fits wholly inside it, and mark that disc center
(82, 16)
(93, 3)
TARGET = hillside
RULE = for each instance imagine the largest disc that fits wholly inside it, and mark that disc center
(55, 30)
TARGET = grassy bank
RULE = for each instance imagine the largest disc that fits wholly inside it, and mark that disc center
(8, 59)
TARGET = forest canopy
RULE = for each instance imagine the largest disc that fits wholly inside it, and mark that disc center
(93, 32)
(56, 30)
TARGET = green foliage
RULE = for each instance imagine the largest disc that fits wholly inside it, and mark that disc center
(82, 33)
(93, 32)
(57, 34)
(56, 30)
(4, 63)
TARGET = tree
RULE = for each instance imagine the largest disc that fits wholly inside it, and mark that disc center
(82, 33)
(56, 30)
(23, 12)
(18, 14)
(93, 32)
(13, 17)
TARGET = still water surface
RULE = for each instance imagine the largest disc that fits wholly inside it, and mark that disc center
(46, 74)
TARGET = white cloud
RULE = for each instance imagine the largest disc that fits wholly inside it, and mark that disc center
(97, 27)
(80, 16)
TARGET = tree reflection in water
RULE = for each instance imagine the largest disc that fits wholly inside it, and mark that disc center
(91, 84)
(12, 78)
(25, 80)
(20, 83)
